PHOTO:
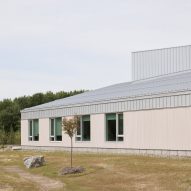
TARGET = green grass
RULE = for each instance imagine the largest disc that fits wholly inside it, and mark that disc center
(103, 172)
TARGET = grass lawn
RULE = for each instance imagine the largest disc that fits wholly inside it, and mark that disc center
(103, 172)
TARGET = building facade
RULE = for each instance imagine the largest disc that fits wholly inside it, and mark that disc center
(149, 115)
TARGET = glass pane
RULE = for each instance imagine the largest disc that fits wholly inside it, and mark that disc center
(78, 130)
(120, 138)
(30, 128)
(58, 129)
(52, 127)
(86, 131)
(111, 116)
(78, 138)
(120, 124)
(35, 130)
(79, 127)
(35, 127)
(86, 118)
(58, 137)
(111, 127)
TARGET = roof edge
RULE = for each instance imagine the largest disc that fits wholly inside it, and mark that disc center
(165, 48)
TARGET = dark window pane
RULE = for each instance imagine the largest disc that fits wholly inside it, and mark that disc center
(35, 127)
(30, 128)
(36, 130)
(58, 126)
(78, 130)
(85, 128)
(111, 116)
(120, 138)
(86, 131)
(120, 124)
(52, 127)
(36, 138)
(111, 130)
(86, 118)
(111, 127)
(58, 129)
(58, 138)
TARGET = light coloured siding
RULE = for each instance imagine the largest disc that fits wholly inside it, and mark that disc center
(164, 129)
(151, 63)
(159, 129)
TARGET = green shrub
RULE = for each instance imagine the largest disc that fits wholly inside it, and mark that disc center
(9, 138)
(17, 138)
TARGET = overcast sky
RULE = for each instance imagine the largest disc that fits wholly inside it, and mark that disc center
(54, 45)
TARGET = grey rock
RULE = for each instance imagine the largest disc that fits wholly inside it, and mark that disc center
(34, 161)
(73, 170)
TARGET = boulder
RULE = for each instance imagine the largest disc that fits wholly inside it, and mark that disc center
(34, 161)
(71, 170)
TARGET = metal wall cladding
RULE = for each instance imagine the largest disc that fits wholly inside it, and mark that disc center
(146, 103)
(151, 63)
(177, 82)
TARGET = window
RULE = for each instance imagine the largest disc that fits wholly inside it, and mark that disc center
(120, 127)
(34, 130)
(114, 127)
(56, 129)
(84, 131)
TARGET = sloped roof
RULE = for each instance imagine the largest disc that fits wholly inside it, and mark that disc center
(163, 84)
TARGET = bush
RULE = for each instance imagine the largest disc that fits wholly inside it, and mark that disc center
(12, 138)
(17, 138)
(3, 138)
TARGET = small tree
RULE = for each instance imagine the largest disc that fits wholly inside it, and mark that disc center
(70, 127)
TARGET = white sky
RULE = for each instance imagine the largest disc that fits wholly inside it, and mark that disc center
(54, 45)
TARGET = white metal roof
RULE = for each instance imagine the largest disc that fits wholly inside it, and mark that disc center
(164, 84)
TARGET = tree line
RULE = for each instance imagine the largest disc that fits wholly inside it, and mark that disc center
(10, 112)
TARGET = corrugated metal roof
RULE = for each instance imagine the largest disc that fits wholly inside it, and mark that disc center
(163, 84)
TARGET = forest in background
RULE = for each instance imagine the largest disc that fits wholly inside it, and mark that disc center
(10, 112)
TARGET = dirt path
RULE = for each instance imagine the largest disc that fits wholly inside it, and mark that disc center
(44, 183)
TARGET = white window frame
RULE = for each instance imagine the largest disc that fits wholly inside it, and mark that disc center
(50, 130)
(117, 128)
(80, 136)
(53, 136)
(31, 137)
(29, 130)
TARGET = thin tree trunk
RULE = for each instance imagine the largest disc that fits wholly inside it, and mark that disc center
(71, 152)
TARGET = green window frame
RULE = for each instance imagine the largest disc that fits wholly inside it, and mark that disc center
(56, 129)
(33, 130)
(84, 130)
(114, 127)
